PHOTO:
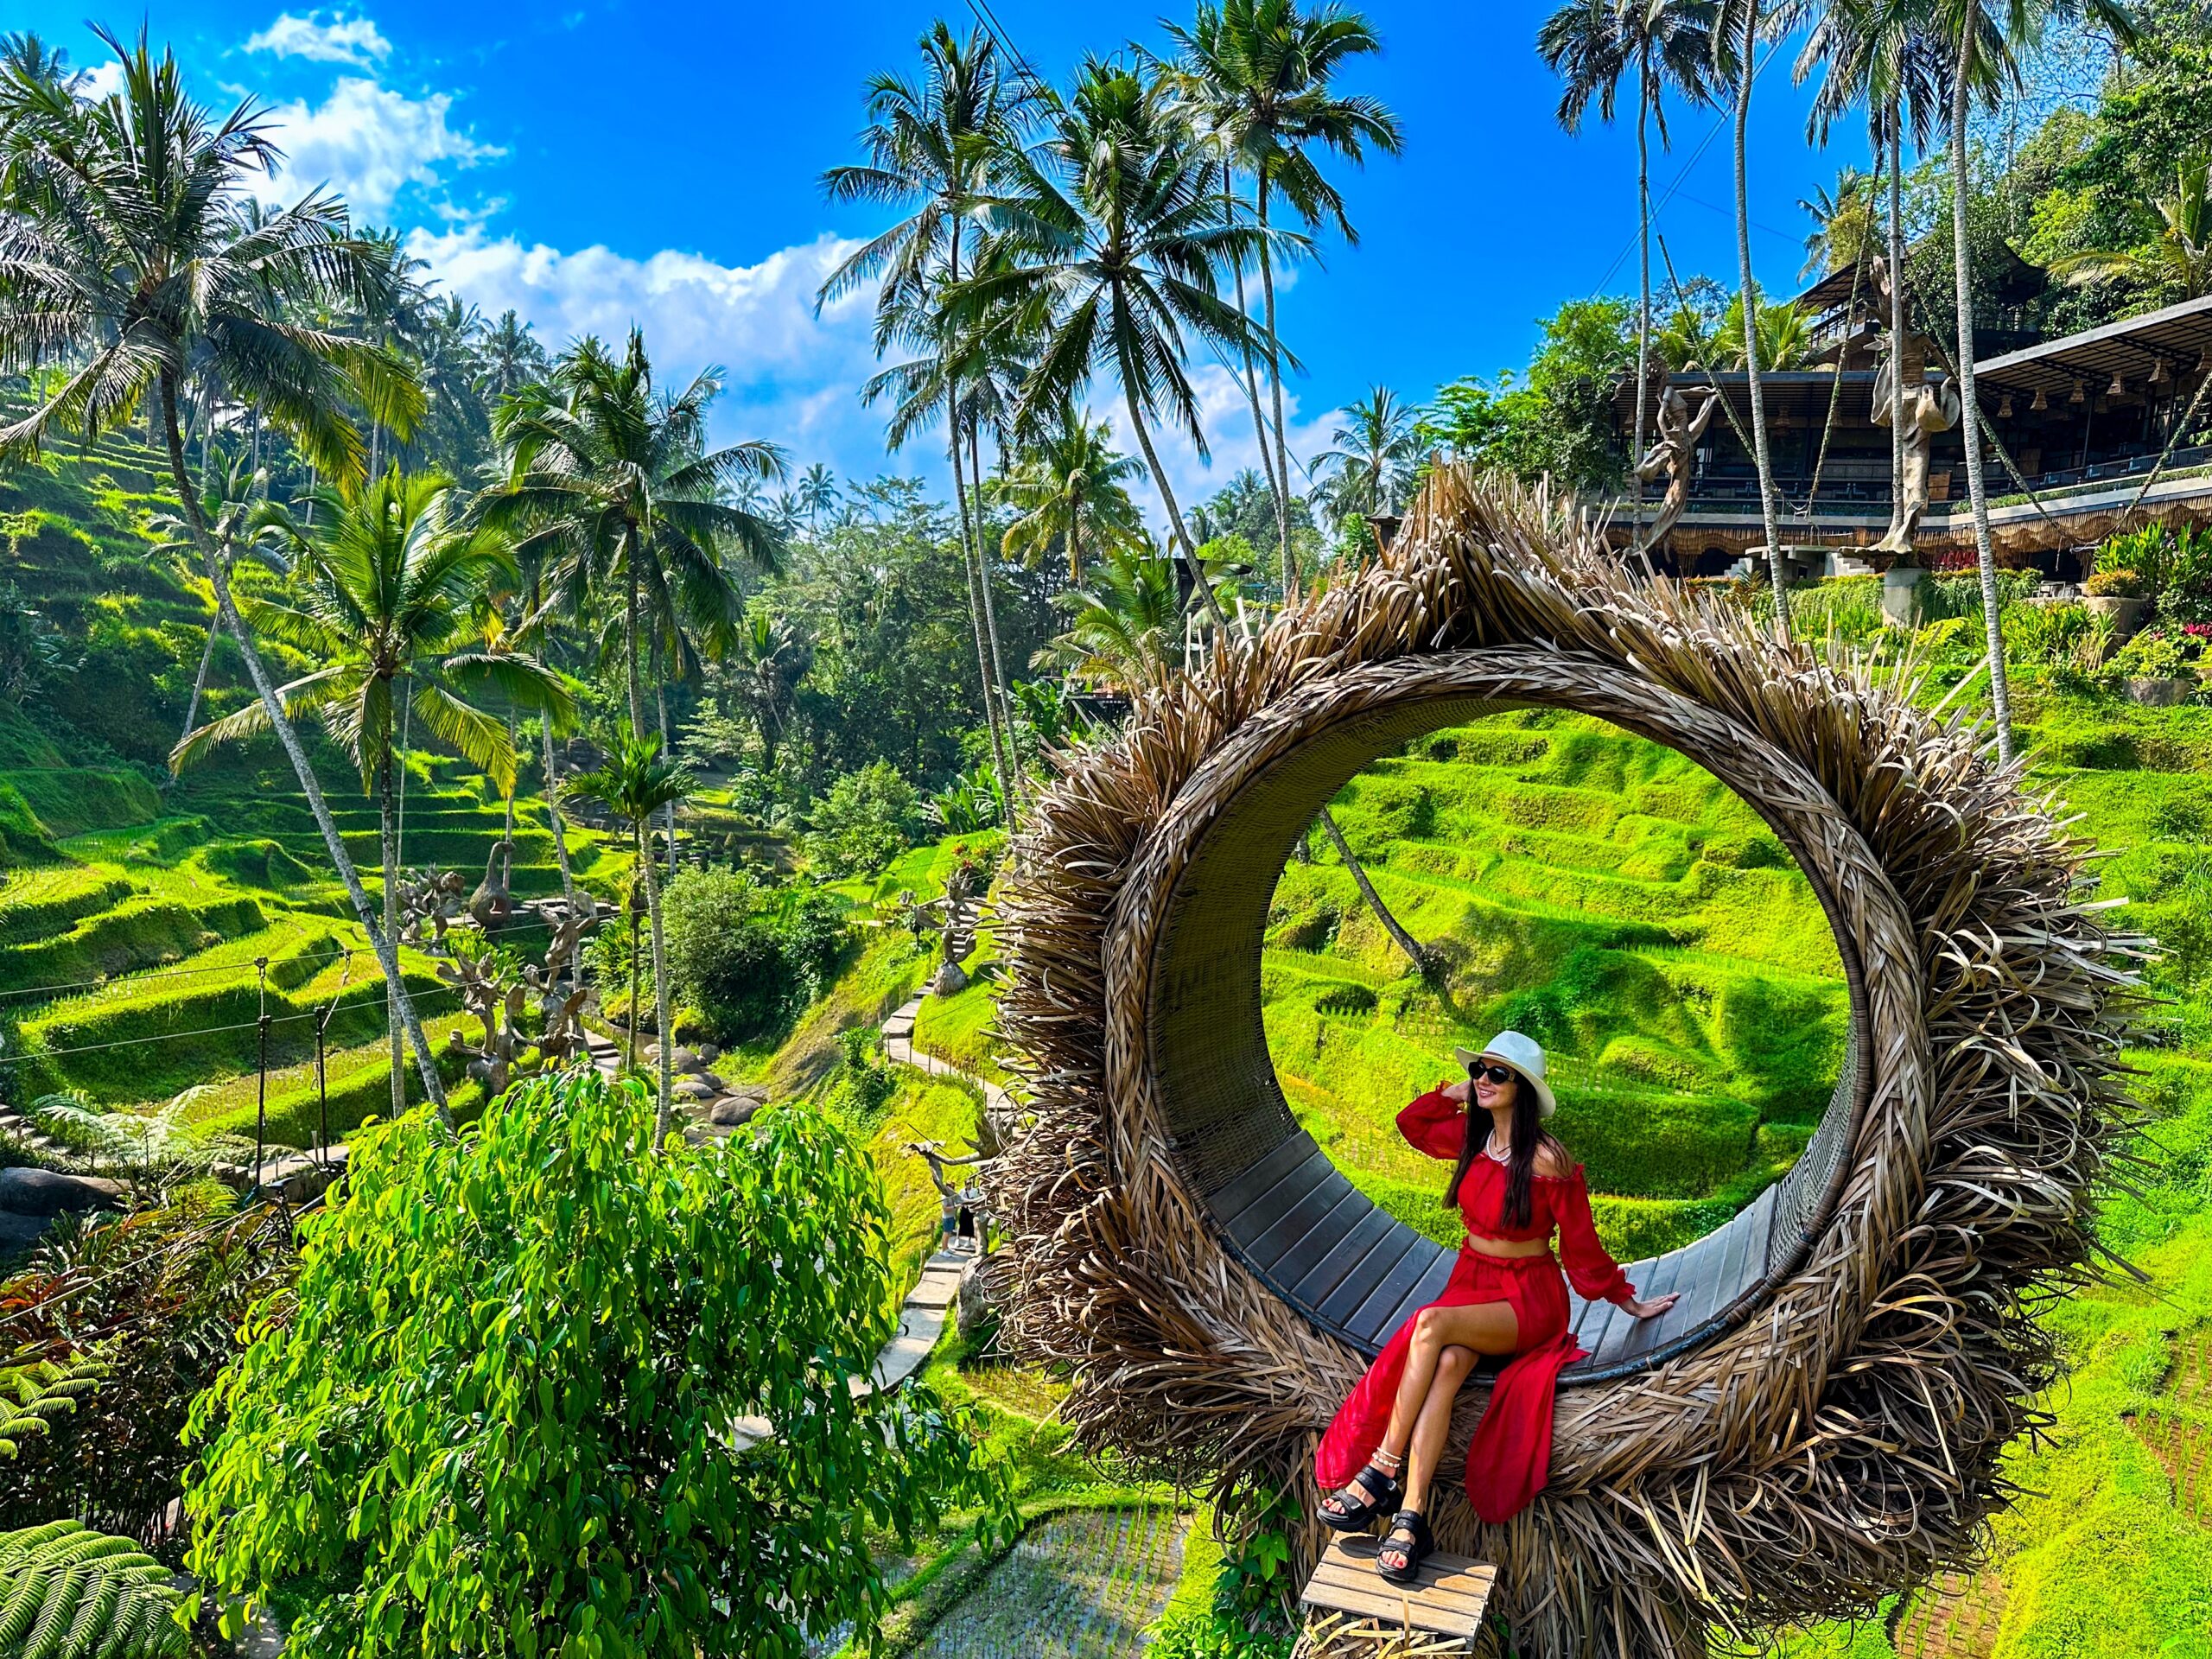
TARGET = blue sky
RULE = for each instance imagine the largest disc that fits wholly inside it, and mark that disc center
(596, 164)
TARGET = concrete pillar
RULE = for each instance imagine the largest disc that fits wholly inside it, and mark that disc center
(1900, 595)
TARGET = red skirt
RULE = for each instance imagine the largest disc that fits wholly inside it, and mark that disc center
(1510, 1459)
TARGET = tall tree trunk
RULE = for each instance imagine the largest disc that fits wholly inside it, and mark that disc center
(630, 638)
(1174, 513)
(508, 833)
(1406, 940)
(406, 734)
(665, 1117)
(560, 833)
(1274, 370)
(971, 553)
(382, 943)
(1896, 302)
(388, 846)
(1643, 287)
(199, 680)
(2000, 693)
(1769, 516)
(668, 813)
(970, 564)
(1259, 418)
(998, 688)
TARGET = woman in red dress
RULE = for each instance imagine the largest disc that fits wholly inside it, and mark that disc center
(1513, 1184)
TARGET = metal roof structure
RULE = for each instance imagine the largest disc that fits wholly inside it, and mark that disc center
(2177, 339)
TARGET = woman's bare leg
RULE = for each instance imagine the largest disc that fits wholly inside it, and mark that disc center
(1457, 1336)
(1453, 1369)
(1485, 1328)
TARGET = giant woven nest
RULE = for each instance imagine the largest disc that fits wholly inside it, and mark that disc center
(1821, 1422)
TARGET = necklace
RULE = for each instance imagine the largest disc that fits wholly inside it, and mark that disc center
(1491, 1151)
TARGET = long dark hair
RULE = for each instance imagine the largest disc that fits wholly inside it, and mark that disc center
(1528, 1138)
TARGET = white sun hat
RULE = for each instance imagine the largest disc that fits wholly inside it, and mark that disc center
(1524, 1054)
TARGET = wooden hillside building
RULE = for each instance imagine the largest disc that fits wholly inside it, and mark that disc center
(2082, 420)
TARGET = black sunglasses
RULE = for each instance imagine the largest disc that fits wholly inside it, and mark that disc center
(1495, 1073)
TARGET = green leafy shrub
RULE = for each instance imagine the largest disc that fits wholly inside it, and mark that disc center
(2157, 654)
(495, 1418)
(744, 957)
(2114, 584)
(864, 822)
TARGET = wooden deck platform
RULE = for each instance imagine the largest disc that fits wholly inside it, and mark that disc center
(1352, 1608)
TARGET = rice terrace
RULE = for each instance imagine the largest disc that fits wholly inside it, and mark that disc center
(1288, 831)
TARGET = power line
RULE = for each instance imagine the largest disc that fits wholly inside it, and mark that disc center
(129, 977)
(1682, 177)
(203, 1030)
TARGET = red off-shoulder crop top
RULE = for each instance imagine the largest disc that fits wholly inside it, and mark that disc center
(1436, 1125)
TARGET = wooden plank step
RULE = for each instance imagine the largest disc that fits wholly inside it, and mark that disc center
(1448, 1601)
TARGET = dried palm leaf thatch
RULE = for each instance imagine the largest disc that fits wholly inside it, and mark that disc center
(1837, 1441)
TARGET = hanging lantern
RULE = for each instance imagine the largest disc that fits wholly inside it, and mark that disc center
(2005, 407)
(2159, 375)
(2079, 397)
(2119, 387)
(2042, 402)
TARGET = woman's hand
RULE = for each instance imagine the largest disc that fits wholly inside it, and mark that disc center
(1457, 1090)
(1650, 1310)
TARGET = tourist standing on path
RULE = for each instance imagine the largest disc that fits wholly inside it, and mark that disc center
(1513, 1184)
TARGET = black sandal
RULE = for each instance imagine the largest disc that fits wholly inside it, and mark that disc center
(1412, 1526)
(1382, 1491)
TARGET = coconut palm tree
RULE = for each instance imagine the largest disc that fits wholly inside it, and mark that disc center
(1070, 487)
(1127, 629)
(2178, 263)
(1844, 227)
(388, 610)
(1256, 75)
(126, 246)
(1372, 467)
(817, 493)
(1785, 337)
(931, 147)
(1736, 36)
(1879, 52)
(1590, 45)
(609, 482)
(1120, 241)
(965, 367)
(634, 783)
(1986, 40)
(508, 358)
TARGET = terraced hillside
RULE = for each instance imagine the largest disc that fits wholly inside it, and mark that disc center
(137, 912)
(1603, 894)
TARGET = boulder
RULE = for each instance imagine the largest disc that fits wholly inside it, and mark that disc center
(950, 980)
(709, 1053)
(49, 1192)
(712, 1081)
(732, 1111)
(692, 1089)
(685, 1059)
(21, 1232)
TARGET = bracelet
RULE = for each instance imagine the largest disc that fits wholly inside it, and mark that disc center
(1388, 1463)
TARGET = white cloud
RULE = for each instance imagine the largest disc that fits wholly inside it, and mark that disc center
(103, 79)
(367, 142)
(789, 375)
(356, 41)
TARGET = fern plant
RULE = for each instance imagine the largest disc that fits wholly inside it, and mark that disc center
(69, 1593)
(33, 1393)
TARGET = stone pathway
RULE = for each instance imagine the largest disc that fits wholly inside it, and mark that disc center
(899, 1048)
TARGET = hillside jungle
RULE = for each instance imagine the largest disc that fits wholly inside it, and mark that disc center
(719, 915)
